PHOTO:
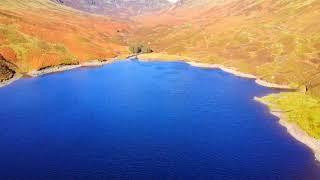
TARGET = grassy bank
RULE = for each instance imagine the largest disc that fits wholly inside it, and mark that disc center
(301, 109)
(163, 57)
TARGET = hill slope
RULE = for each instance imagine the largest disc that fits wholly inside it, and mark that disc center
(279, 41)
(41, 33)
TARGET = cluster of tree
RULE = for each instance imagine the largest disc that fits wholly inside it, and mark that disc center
(140, 48)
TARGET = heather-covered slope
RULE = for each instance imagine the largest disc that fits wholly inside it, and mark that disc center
(279, 41)
(40, 33)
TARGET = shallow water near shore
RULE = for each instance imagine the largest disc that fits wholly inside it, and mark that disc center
(145, 120)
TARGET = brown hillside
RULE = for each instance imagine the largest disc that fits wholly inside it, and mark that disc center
(277, 40)
(40, 33)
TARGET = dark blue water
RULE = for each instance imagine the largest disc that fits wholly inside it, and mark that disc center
(144, 120)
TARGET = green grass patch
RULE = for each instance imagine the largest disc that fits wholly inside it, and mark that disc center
(304, 110)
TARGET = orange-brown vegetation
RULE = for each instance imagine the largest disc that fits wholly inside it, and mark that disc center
(276, 40)
(41, 33)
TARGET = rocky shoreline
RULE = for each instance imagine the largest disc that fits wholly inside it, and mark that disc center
(59, 68)
(95, 63)
(11, 80)
(241, 74)
(54, 69)
(230, 70)
(294, 130)
(223, 68)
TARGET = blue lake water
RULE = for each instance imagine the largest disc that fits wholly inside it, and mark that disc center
(145, 120)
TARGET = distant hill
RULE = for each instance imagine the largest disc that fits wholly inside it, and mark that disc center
(116, 8)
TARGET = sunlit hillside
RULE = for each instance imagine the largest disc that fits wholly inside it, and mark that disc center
(41, 33)
(277, 40)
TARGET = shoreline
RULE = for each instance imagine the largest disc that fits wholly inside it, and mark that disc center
(16, 77)
(58, 68)
(96, 63)
(223, 68)
(294, 130)
(231, 70)
(241, 74)
(54, 69)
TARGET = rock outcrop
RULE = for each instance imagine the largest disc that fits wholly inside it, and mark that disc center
(6, 72)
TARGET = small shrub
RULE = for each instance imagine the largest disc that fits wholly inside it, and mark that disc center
(135, 49)
(146, 49)
(139, 48)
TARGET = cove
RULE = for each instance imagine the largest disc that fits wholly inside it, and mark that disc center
(145, 120)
